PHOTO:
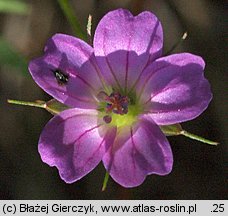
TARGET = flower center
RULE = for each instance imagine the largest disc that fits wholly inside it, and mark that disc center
(117, 109)
(117, 103)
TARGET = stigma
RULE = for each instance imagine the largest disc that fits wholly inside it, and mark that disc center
(116, 103)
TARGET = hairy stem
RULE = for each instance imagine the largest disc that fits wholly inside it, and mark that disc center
(198, 138)
(40, 104)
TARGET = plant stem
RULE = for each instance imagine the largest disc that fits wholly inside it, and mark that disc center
(184, 36)
(105, 182)
(69, 13)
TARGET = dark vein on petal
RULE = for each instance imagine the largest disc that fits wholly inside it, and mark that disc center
(153, 36)
(127, 65)
(112, 72)
(95, 67)
(94, 153)
(108, 63)
(148, 79)
(136, 149)
(86, 131)
(126, 74)
(154, 72)
(162, 153)
(85, 82)
(73, 116)
(159, 92)
(77, 75)
(149, 56)
(76, 98)
(66, 94)
(133, 150)
(140, 75)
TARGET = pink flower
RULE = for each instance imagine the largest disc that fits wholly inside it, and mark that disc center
(120, 91)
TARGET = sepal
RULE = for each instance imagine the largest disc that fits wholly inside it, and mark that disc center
(171, 130)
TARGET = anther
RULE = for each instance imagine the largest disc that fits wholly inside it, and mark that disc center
(117, 103)
(107, 119)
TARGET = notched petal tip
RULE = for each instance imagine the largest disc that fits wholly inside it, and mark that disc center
(124, 44)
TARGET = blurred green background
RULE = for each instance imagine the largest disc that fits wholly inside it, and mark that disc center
(200, 170)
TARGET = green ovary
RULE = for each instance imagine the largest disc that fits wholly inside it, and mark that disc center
(126, 119)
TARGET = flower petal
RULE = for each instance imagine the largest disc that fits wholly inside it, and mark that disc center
(124, 45)
(67, 71)
(137, 152)
(72, 141)
(175, 88)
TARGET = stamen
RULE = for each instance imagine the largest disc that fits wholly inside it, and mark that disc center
(117, 103)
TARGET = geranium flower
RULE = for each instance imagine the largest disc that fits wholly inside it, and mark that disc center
(119, 92)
